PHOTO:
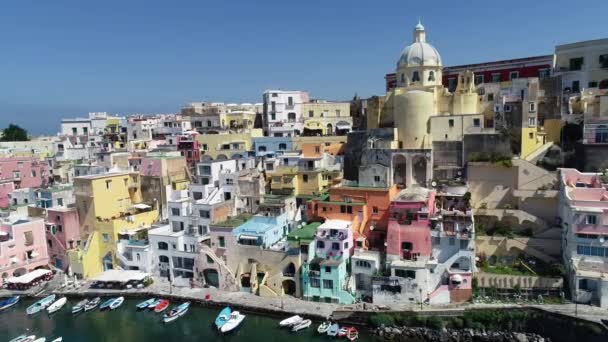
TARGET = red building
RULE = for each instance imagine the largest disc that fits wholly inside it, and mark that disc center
(187, 144)
(498, 71)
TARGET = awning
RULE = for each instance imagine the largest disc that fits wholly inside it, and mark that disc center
(28, 277)
(343, 125)
(121, 276)
(141, 206)
(247, 237)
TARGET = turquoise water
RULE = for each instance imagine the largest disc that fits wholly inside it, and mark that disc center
(128, 324)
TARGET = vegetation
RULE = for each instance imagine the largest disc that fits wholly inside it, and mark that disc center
(14, 133)
(495, 158)
(149, 281)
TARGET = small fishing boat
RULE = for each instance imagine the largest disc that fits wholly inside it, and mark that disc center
(79, 307)
(57, 305)
(41, 339)
(233, 322)
(223, 317)
(324, 327)
(58, 339)
(176, 312)
(352, 334)
(92, 304)
(116, 303)
(152, 305)
(106, 304)
(302, 325)
(8, 302)
(145, 304)
(162, 306)
(333, 330)
(40, 305)
(293, 320)
(344, 331)
(30, 338)
(19, 338)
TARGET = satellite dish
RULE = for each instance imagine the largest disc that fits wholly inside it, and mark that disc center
(433, 183)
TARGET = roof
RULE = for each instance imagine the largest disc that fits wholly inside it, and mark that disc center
(257, 225)
(121, 276)
(413, 194)
(304, 234)
(28, 277)
(331, 262)
(234, 221)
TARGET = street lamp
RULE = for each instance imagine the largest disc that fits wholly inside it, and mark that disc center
(420, 290)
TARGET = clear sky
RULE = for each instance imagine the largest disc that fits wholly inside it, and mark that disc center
(64, 58)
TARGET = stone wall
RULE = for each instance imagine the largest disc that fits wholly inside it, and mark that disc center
(486, 143)
(591, 158)
(508, 282)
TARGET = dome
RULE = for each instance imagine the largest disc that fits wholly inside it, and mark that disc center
(419, 53)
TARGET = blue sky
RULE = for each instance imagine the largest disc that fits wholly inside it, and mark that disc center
(65, 58)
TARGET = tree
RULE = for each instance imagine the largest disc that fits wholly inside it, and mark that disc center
(14, 133)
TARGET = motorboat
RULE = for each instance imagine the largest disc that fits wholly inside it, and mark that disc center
(153, 305)
(176, 312)
(116, 303)
(333, 330)
(342, 332)
(293, 320)
(162, 306)
(22, 338)
(30, 338)
(324, 327)
(8, 302)
(41, 339)
(145, 304)
(57, 305)
(352, 334)
(79, 307)
(233, 322)
(302, 325)
(40, 305)
(223, 317)
(58, 339)
(106, 304)
(92, 304)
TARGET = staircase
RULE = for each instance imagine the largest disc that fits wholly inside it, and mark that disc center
(224, 270)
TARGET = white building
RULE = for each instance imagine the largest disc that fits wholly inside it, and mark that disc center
(282, 112)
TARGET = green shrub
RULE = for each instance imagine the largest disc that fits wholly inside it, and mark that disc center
(434, 322)
(455, 323)
(382, 319)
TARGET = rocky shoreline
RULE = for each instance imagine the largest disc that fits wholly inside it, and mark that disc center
(455, 335)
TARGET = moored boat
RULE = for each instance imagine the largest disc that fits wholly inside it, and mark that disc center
(79, 307)
(223, 317)
(106, 304)
(293, 320)
(323, 327)
(19, 338)
(40, 305)
(30, 338)
(58, 339)
(145, 304)
(8, 302)
(116, 303)
(57, 305)
(352, 334)
(176, 312)
(154, 304)
(302, 325)
(92, 304)
(41, 339)
(342, 332)
(233, 322)
(333, 330)
(162, 306)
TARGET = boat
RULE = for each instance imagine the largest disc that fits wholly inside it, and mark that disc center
(58, 339)
(344, 331)
(176, 312)
(162, 306)
(145, 304)
(233, 322)
(92, 304)
(79, 307)
(154, 304)
(57, 305)
(333, 330)
(42, 339)
(19, 338)
(8, 302)
(40, 305)
(302, 325)
(324, 327)
(352, 334)
(117, 302)
(222, 317)
(30, 338)
(106, 304)
(293, 320)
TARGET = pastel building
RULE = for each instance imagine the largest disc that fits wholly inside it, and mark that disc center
(326, 118)
(583, 211)
(282, 112)
(21, 173)
(22, 247)
(324, 274)
(62, 234)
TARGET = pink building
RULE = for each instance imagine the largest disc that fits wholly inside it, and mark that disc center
(62, 233)
(22, 247)
(20, 173)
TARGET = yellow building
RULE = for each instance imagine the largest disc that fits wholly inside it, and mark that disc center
(326, 118)
(227, 144)
(107, 205)
(300, 141)
(239, 119)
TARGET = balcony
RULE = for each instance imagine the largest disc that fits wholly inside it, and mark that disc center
(339, 236)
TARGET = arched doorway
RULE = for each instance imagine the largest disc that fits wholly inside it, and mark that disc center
(419, 170)
(212, 277)
(289, 270)
(330, 129)
(399, 169)
(289, 287)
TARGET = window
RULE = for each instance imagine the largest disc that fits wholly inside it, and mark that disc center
(591, 219)
(452, 241)
(338, 112)
(175, 211)
(210, 260)
(375, 210)
(335, 246)
(108, 184)
(507, 108)
(576, 63)
(221, 242)
(405, 274)
(163, 259)
(407, 246)
(415, 77)
(320, 244)
(592, 84)
(282, 146)
(531, 121)
(532, 107)
(327, 269)
(376, 178)
(576, 86)
(603, 61)
(451, 123)
(59, 228)
(543, 73)
(513, 75)
(311, 113)
(204, 214)
(315, 282)
(402, 78)
(431, 76)
(363, 264)
(476, 122)
(227, 196)
(495, 77)
(105, 237)
(451, 84)
(305, 178)
(478, 79)
(273, 116)
(317, 149)
(33, 173)
(531, 135)
(74, 130)
(328, 284)
(290, 101)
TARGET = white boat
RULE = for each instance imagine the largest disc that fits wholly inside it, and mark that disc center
(233, 322)
(92, 304)
(302, 325)
(117, 302)
(22, 338)
(324, 327)
(293, 320)
(57, 305)
(79, 307)
(176, 312)
(30, 338)
(42, 339)
(58, 339)
(333, 330)
(40, 305)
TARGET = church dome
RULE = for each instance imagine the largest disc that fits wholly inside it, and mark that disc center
(419, 53)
